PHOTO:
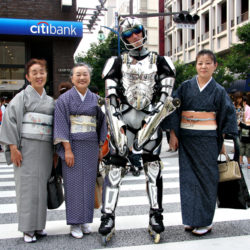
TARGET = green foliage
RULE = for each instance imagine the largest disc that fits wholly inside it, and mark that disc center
(237, 60)
(183, 72)
(96, 57)
(235, 64)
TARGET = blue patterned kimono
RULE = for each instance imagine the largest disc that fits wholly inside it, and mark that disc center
(199, 149)
(79, 180)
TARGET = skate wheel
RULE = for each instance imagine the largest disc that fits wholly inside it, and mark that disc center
(157, 238)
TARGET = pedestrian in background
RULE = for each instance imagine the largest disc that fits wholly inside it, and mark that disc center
(79, 132)
(245, 133)
(27, 132)
(205, 115)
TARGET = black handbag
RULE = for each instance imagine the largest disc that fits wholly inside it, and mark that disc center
(55, 190)
(234, 194)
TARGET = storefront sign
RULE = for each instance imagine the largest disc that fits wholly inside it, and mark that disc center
(11, 26)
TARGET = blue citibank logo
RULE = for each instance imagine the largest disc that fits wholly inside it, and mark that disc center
(11, 26)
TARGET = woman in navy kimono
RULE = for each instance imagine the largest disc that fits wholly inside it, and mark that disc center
(79, 132)
(205, 116)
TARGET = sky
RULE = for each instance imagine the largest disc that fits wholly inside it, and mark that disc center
(88, 38)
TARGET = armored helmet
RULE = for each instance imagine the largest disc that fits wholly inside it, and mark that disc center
(128, 26)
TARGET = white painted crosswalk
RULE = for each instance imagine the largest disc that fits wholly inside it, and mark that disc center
(136, 202)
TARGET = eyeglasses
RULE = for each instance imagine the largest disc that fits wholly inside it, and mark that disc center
(136, 29)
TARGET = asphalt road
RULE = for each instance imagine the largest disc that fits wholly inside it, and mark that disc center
(231, 228)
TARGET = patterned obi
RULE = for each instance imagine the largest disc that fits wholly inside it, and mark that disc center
(37, 123)
(82, 123)
(198, 120)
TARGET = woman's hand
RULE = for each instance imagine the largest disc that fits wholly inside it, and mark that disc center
(16, 156)
(173, 142)
(69, 156)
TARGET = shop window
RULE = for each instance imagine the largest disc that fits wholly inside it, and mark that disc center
(12, 61)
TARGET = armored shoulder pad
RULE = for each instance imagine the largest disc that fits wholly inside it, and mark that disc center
(170, 63)
(108, 66)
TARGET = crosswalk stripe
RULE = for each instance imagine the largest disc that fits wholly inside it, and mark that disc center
(5, 194)
(124, 188)
(7, 183)
(143, 186)
(6, 176)
(9, 170)
(142, 177)
(123, 201)
(126, 222)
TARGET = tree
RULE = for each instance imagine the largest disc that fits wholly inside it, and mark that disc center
(96, 57)
(237, 61)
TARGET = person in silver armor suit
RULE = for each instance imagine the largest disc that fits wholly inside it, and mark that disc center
(138, 88)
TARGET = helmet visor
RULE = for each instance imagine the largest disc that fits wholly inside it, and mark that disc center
(128, 33)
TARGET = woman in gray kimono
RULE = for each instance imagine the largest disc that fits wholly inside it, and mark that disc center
(27, 132)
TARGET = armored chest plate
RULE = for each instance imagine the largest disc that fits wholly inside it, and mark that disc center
(139, 80)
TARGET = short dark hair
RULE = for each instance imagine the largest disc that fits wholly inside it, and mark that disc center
(33, 61)
(206, 52)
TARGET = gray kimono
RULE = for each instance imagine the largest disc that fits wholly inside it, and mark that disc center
(28, 123)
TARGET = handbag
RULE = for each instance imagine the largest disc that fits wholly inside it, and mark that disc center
(234, 194)
(229, 170)
(55, 190)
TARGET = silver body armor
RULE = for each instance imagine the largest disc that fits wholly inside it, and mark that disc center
(137, 113)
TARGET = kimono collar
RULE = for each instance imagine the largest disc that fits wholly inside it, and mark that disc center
(34, 93)
(201, 89)
(81, 95)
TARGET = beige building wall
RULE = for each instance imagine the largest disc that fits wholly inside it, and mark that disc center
(215, 30)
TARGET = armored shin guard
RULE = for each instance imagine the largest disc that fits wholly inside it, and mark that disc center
(154, 183)
(112, 188)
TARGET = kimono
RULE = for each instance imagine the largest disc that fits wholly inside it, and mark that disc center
(199, 149)
(27, 123)
(83, 124)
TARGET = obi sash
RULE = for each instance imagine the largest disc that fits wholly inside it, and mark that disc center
(198, 120)
(37, 123)
(82, 124)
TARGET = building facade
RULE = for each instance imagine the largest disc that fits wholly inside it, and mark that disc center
(139, 6)
(37, 29)
(215, 30)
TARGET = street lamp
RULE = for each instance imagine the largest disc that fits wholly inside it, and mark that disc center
(116, 31)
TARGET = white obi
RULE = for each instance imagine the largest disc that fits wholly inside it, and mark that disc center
(82, 123)
(37, 123)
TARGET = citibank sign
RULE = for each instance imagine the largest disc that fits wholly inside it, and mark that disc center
(11, 26)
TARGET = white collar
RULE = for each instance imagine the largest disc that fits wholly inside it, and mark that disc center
(81, 95)
(201, 89)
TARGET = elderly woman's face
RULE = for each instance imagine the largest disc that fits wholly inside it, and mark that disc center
(37, 76)
(81, 78)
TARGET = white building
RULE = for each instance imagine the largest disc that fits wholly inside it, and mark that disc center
(215, 30)
(139, 6)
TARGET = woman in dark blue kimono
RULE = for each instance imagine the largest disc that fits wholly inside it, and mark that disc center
(79, 131)
(205, 116)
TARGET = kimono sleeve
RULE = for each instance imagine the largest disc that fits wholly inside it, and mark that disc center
(102, 126)
(61, 122)
(173, 121)
(227, 122)
(12, 121)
